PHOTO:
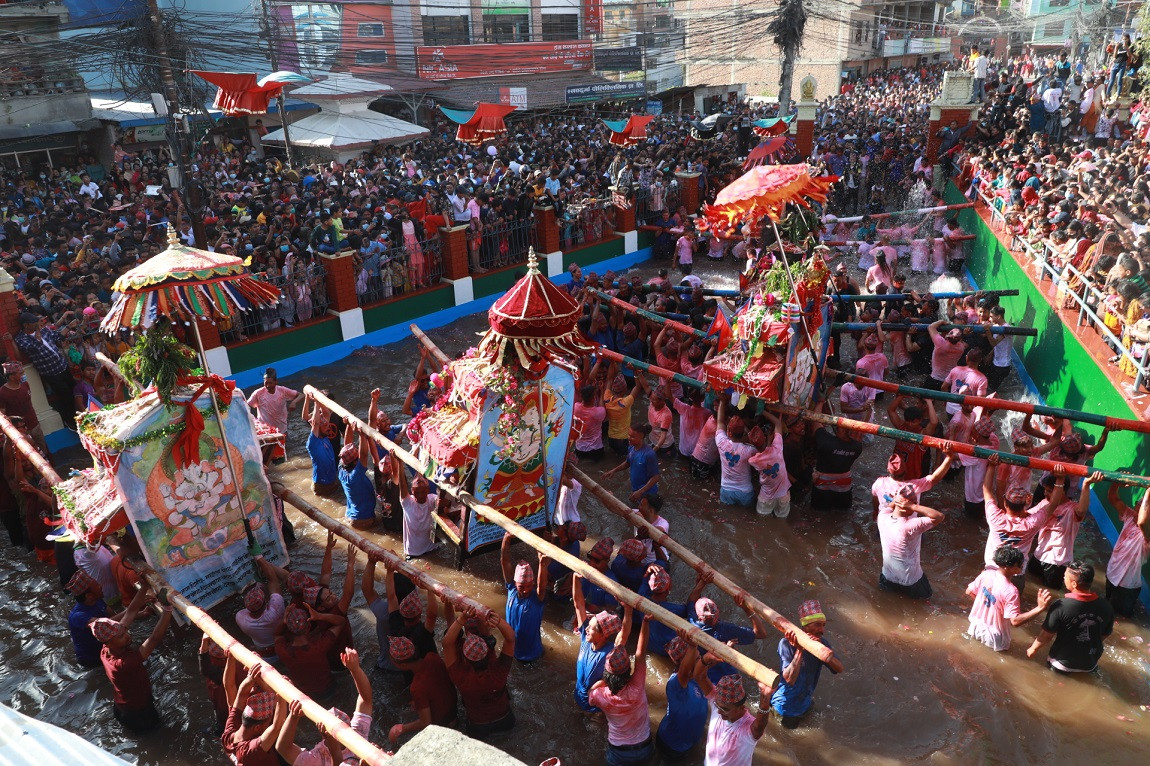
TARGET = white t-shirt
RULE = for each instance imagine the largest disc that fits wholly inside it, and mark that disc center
(1055, 541)
(729, 744)
(648, 543)
(1002, 351)
(262, 629)
(567, 507)
(981, 65)
(1129, 554)
(273, 406)
(97, 564)
(901, 538)
(418, 526)
(773, 479)
(734, 460)
(995, 602)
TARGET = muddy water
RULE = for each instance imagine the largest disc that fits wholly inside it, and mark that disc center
(914, 691)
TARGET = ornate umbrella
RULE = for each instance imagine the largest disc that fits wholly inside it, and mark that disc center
(630, 131)
(481, 124)
(766, 190)
(186, 284)
(775, 126)
(767, 151)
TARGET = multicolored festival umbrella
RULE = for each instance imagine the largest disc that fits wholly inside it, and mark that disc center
(479, 125)
(766, 190)
(628, 132)
(775, 126)
(182, 283)
(765, 152)
(241, 93)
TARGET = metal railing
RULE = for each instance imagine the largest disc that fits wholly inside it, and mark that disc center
(646, 201)
(303, 297)
(503, 243)
(393, 272)
(586, 223)
(1084, 294)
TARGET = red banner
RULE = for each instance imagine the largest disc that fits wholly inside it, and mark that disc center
(592, 17)
(460, 62)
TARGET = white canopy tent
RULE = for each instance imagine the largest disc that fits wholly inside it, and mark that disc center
(346, 126)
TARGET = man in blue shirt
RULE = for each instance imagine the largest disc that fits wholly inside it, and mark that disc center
(568, 536)
(707, 618)
(595, 643)
(358, 488)
(89, 605)
(526, 592)
(595, 598)
(685, 723)
(643, 464)
(324, 470)
(657, 588)
(800, 670)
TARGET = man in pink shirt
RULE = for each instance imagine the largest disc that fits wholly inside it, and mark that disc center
(733, 731)
(1131, 549)
(887, 489)
(966, 379)
(948, 350)
(774, 482)
(1054, 545)
(272, 402)
(1011, 518)
(996, 601)
(874, 363)
(900, 532)
(622, 697)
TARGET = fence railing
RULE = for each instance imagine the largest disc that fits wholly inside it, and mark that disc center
(392, 272)
(585, 223)
(303, 297)
(503, 243)
(1083, 294)
(651, 200)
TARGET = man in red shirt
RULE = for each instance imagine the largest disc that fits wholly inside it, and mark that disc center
(132, 702)
(250, 734)
(16, 399)
(303, 650)
(432, 694)
(481, 680)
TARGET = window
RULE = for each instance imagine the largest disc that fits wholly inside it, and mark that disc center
(445, 30)
(560, 26)
(1058, 4)
(371, 58)
(1054, 29)
(506, 28)
(369, 30)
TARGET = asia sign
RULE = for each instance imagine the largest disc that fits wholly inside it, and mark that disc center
(461, 62)
(577, 94)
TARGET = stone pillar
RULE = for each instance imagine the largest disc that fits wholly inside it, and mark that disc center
(546, 229)
(624, 218)
(689, 196)
(803, 127)
(339, 269)
(952, 105)
(9, 315)
(453, 241)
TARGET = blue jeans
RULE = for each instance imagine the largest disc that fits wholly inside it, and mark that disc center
(1117, 72)
(735, 497)
(627, 755)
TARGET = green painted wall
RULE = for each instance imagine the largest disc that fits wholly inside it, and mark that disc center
(406, 309)
(586, 256)
(498, 282)
(266, 351)
(1063, 371)
(646, 239)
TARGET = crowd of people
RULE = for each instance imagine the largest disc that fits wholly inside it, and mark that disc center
(67, 233)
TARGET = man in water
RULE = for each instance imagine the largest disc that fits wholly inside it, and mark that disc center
(1078, 624)
(272, 403)
(800, 670)
(733, 730)
(526, 594)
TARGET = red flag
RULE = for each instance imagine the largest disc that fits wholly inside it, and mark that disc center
(722, 328)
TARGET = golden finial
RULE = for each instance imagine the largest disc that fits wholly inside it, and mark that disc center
(173, 236)
(532, 261)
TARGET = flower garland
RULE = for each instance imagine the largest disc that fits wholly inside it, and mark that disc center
(69, 504)
(112, 444)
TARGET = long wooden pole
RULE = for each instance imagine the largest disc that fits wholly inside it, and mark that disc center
(1072, 469)
(661, 372)
(202, 620)
(855, 242)
(721, 581)
(269, 676)
(650, 315)
(919, 211)
(1028, 408)
(1029, 332)
(908, 297)
(397, 562)
(421, 336)
(625, 596)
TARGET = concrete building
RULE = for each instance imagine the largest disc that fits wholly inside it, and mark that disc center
(45, 114)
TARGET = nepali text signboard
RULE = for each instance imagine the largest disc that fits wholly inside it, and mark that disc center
(577, 94)
(461, 62)
(629, 59)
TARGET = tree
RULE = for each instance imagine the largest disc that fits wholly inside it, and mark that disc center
(786, 29)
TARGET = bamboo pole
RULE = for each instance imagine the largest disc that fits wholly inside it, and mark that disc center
(269, 676)
(909, 297)
(903, 242)
(1028, 408)
(426, 341)
(115, 370)
(650, 315)
(397, 562)
(202, 620)
(1029, 332)
(661, 372)
(743, 664)
(1072, 469)
(29, 451)
(919, 211)
(721, 581)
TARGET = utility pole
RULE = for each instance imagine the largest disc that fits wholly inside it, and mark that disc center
(272, 34)
(786, 31)
(191, 193)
